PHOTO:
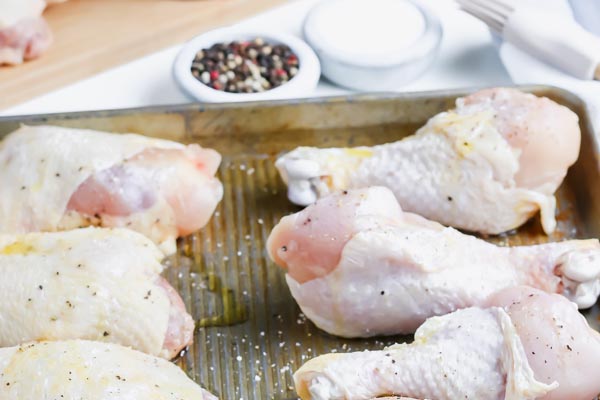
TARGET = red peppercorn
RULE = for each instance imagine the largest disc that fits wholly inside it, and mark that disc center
(280, 72)
(292, 58)
(216, 86)
(214, 75)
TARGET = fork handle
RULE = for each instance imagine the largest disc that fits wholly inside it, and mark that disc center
(556, 40)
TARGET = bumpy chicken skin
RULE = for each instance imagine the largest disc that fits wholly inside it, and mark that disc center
(56, 178)
(80, 369)
(94, 284)
(359, 266)
(24, 34)
(547, 135)
(486, 166)
(559, 344)
(184, 177)
(527, 344)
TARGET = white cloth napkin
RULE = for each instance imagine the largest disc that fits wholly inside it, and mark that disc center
(525, 69)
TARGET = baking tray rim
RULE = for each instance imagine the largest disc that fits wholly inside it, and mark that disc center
(573, 99)
(351, 98)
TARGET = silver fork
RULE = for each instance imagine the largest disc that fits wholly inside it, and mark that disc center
(553, 38)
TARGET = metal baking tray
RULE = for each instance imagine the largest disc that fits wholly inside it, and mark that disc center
(251, 336)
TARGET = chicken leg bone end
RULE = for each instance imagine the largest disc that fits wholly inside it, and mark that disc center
(580, 272)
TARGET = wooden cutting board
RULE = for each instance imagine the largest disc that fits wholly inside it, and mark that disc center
(94, 35)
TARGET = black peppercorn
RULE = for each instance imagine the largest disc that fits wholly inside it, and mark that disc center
(245, 67)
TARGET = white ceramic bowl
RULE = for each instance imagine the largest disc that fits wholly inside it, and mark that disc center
(331, 35)
(302, 84)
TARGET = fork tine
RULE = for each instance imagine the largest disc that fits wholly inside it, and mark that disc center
(492, 18)
(494, 25)
(509, 5)
(497, 6)
(482, 13)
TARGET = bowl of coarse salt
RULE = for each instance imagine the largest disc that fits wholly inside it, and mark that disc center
(229, 65)
(373, 45)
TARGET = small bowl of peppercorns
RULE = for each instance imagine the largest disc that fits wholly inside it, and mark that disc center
(226, 66)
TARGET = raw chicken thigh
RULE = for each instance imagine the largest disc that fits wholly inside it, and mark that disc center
(24, 35)
(56, 178)
(486, 166)
(80, 369)
(92, 283)
(526, 345)
(359, 266)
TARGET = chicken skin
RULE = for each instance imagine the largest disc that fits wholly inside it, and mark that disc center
(359, 266)
(58, 179)
(79, 369)
(525, 344)
(95, 284)
(24, 35)
(486, 166)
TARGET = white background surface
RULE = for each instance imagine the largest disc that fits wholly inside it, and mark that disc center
(468, 58)
(523, 68)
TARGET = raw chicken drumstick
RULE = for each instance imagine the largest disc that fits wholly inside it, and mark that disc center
(79, 369)
(486, 166)
(526, 344)
(359, 266)
(56, 178)
(24, 35)
(92, 283)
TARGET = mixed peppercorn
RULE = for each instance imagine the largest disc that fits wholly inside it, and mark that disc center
(245, 67)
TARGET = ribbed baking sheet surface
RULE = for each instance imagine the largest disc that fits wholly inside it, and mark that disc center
(251, 336)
